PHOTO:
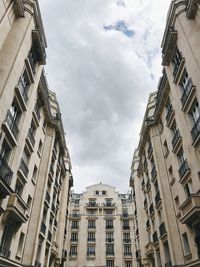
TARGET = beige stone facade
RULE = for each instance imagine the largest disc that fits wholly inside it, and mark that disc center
(100, 228)
(166, 165)
(35, 167)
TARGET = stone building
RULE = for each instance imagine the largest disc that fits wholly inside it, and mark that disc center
(100, 228)
(166, 165)
(35, 167)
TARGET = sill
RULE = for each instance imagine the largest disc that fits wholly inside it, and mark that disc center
(172, 181)
(33, 181)
(166, 154)
(188, 256)
(18, 257)
(39, 154)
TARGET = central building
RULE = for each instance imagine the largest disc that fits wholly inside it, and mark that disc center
(100, 228)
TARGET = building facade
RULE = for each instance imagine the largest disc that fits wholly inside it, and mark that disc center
(165, 175)
(100, 229)
(35, 166)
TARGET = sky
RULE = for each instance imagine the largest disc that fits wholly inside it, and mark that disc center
(103, 60)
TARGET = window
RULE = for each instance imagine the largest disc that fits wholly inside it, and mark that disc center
(29, 202)
(176, 61)
(91, 224)
(110, 263)
(128, 263)
(97, 192)
(34, 176)
(109, 224)
(75, 224)
(186, 244)
(91, 250)
(92, 202)
(91, 211)
(166, 149)
(24, 84)
(180, 156)
(108, 211)
(126, 237)
(40, 148)
(91, 236)
(5, 151)
(73, 250)
(74, 237)
(108, 201)
(184, 81)
(126, 224)
(195, 111)
(110, 249)
(188, 188)
(76, 202)
(109, 237)
(127, 250)
(103, 192)
(20, 244)
(6, 240)
(18, 188)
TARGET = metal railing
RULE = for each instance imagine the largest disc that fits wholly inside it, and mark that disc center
(5, 252)
(5, 171)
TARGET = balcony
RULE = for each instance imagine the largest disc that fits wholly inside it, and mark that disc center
(30, 139)
(157, 199)
(184, 171)
(138, 255)
(170, 115)
(161, 92)
(126, 227)
(191, 9)
(162, 229)
(176, 141)
(188, 94)
(4, 252)
(23, 170)
(153, 173)
(109, 205)
(6, 175)
(149, 249)
(91, 240)
(127, 254)
(91, 205)
(195, 132)
(11, 128)
(74, 240)
(127, 240)
(74, 227)
(90, 253)
(108, 227)
(168, 46)
(16, 210)
(148, 225)
(109, 240)
(190, 209)
(151, 210)
(155, 238)
(74, 216)
(110, 253)
(73, 254)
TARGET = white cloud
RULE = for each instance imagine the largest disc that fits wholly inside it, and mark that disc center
(102, 79)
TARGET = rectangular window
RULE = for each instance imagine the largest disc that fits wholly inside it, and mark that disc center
(20, 245)
(91, 236)
(186, 244)
(109, 237)
(91, 224)
(188, 188)
(75, 224)
(108, 211)
(127, 249)
(128, 263)
(110, 249)
(91, 250)
(110, 263)
(5, 151)
(109, 224)
(73, 250)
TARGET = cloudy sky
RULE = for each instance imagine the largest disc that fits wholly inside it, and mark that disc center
(103, 60)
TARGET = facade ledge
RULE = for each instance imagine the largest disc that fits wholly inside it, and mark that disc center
(29, 69)
(22, 99)
(169, 45)
(170, 118)
(9, 133)
(190, 209)
(188, 97)
(16, 210)
(149, 249)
